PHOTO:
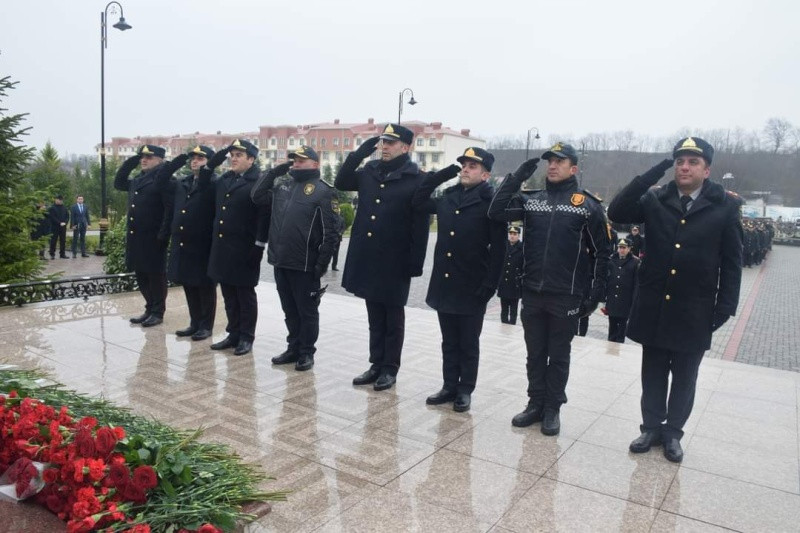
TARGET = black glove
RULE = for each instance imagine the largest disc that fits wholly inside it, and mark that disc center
(255, 255)
(587, 307)
(280, 170)
(177, 163)
(414, 271)
(316, 296)
(319, 270)
(719, 319)
(366, 148)
(130, 163)
(652, 176)
(485, 293)
(526, 170)
(270, 177)
(218, 158)
(446, 173)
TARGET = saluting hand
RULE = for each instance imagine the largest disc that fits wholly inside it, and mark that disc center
(218, 158)
(657, 172)
(178, 162)
(526, 169)
(447, 173)
(281, 169)
(367, 147)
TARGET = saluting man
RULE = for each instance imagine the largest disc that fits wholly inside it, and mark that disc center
(148, 230)
(239, 234)
(387, 245)
(688, 283)
(509, 287)
(466, 268)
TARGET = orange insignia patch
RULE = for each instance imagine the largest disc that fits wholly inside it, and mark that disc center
(577, 199)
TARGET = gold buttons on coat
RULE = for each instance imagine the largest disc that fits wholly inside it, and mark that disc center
(458, 212)
(221, 221)
(383, 185)
(666, 297)
(223, 208)
(673, 271)
(181, 244)
(183, 211)
(677, 245)
(369, 234)
(446, 275)
(372, 217)
(683, 221)
(449, 254)
(452, 233)
(181, 228)
(220, 235)
(377, 200)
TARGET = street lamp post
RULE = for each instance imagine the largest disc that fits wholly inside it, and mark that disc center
(121, 25)
(411, 101)
(528, 142)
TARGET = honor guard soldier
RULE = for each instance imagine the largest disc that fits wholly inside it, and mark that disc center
(622, 271)
(302, 235)
(387, 245)
(688, 284)
(636, 241)
(466, 268)
(191, 222)
(239, 234)
(561, 222)
(148, 230)
(509, 288)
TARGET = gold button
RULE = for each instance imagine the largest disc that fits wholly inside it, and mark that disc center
(683, 221)
(446, 275)
(666, 297)
(452, 233)
(228, 195)
(449, 254)
(183, 211)
(221, 221)
(383, 185)
(181, 244)
(131, 219)
(187, 196)
(458, 212)
(223, 208)
(133, 205)
(377, 200)
(131, 232)
(181, 228)
(673, 271)
(372, 217)
(677, 245)
(369, 234)
(220, 235)
(135, 193)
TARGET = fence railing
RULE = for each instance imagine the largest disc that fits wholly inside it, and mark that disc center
(61, 289)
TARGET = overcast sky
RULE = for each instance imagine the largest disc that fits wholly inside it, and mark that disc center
(494, 66)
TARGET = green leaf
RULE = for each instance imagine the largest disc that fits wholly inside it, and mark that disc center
(167, 487)
(144, 454)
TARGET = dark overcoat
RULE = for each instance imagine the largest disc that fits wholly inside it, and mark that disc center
(693, 264)
(621, 284)
(509, 286)
(469, 247)
(148, 211)
(238, 224)
(389, 238)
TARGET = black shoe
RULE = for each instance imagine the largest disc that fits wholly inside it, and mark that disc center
(139, 319)
(551, 423)
(645, 441)
(531, 415)
(151, 321)
(443, 396)
(672, 450)
(62, 256)
(286, 357)
(304, 362)
(243, 347)
(52, 258)
(462, 403)
(385, 382)
(186, 332)
(201, 334)
(84, 255)
(335, 269)
(224, 344)
(74, 256)
(370, 376)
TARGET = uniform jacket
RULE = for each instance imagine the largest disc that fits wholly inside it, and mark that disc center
(42, 225)
(191, 222)
(78, 218)
(469, 247)
(561, 222)
(509, 287)
(388, 240)
(302, 231)
(238, 224)
(622, 275)
(340, 225)
(637, 244)
(148, 212)
(693, 264)
(57, 214)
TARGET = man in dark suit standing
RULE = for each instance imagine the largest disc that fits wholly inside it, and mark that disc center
(59, 217)
(688, 283)
(466, 268)
(509, 289)
(238, 238)
(148, 231)
(387, 245)
(79, 220)
(190, 222)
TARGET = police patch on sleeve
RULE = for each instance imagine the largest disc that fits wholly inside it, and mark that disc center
(308, 189)
(577, 199)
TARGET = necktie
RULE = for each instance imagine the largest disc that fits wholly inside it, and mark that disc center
(685, 201)
(80, 208)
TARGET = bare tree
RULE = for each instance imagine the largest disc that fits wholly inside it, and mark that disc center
(506, 142)
(777, 132)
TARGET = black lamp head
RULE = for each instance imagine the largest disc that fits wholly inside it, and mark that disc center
(122, 25)
(412, 101)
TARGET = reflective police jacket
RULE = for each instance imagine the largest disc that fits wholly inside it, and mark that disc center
(560, 222)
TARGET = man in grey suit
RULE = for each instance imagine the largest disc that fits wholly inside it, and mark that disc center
(79, 221)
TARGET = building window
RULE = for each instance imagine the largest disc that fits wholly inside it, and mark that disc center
(420, 141)
(358, 141)
(336, 141)
(302, 141)
(291, 141)
(432, 142)
(347, 141)
(322, 142)
(421, 157)
(273, 141)
(313, 141)
(434, 158)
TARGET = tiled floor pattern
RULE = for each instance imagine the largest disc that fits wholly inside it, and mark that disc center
(360, 460)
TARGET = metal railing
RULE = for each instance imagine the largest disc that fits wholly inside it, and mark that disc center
(61, 289)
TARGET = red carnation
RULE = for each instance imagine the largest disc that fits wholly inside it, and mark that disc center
(84, 442)
(134, 493)
(208, 528)
(96, 469)
(106, 440)
(119, 432)
(145, 477)
(119, 474)
(50, 475)
(54, 503)
(139, 528)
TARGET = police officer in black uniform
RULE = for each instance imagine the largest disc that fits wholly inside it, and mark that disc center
(466, 268)
(387, 245)
(636, 241)
(301, 238)
(59, 216)
(191, 221)
(148, 230)
(238, 238)
(688, 283)
(560, 222)
(509, 289)
(622, 271)
(340, 229)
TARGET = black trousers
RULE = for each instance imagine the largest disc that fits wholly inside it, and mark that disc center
(508, 310)
(153, 286)
(241, 308)
(301, 312)
(617, 325)
(583, 326)
(387, 329)
(59, 236)
(460, 350)
(79, 234)
(657, 364)
(202, 302)
(335, 256)
(550, 322)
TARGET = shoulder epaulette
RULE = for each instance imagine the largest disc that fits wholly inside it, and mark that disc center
(591, 195)
(531, 190)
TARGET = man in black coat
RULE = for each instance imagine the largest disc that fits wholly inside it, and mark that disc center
(387, 245)
(340, 229)
(59, 217)
(636, 241)
(302, 234)
(191, 222)
(622, 271)
(466, 268)
(509, 289)
(566, 237)
(79, 221)
(688, 283)
(148, 230)
(42, 227)
(239, 235)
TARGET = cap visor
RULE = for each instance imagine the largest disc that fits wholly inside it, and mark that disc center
(390, 137)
